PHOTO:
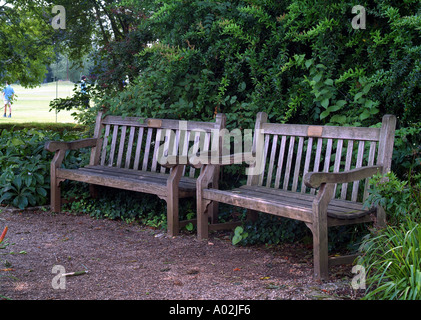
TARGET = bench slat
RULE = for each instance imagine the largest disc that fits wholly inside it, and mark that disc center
(327, 132)
(147, 149)
(347, 166)
(371, 156)
(338, 157)
(167, 144)
(297, 163)
(195, 150)
(317, 159)
(289, 160)
(280, 162)
(158, 123)
(113, 145)
(121, 146)
(265, 151)
(356, 184)
(129, 148)
(155, 151)
(271, 161)
(105, 143)
(307, 162)
(185, 137)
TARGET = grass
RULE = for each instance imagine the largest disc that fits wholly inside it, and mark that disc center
(32, 105)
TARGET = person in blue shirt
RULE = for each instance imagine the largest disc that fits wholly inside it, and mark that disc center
(83, 90)
(8, 94)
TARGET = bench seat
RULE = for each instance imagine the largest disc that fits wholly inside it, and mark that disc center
(128, 179)
(287, 203)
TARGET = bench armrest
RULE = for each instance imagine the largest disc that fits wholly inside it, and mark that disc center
(54, 146)
(315, 179)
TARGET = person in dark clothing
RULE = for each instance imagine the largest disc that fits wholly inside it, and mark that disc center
(83, 90)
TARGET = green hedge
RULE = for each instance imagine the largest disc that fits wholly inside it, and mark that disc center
(25, 165)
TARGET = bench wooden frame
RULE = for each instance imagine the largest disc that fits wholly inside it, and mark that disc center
(125, 155)
(286, 186)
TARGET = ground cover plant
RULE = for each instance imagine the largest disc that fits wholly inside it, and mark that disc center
(392, 260)
(392, 257)
(25, 165)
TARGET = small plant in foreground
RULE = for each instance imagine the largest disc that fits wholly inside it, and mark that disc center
(392, 260)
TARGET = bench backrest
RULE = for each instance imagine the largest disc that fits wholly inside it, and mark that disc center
(139, 143)
(290, 151)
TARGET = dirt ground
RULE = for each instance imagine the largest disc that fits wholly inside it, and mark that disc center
(131, 262)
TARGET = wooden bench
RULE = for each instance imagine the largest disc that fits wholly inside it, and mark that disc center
(292, 162)
(126, 154)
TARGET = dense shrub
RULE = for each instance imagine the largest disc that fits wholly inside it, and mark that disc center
(300, 61)
(399, 198)
(25, 165)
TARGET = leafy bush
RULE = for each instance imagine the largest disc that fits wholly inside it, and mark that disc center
(25, 165)
(300, 61)
(392, 260)
(400, 199)
(274, 230)
(407, 151)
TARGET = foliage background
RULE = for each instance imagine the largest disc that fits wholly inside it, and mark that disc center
(300, 61)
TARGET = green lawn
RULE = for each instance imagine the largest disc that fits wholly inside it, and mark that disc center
(32, 105)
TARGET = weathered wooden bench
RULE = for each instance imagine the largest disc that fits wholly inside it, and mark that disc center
(126, 154)
(290, 162)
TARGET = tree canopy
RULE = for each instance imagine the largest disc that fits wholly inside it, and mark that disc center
(26, 42)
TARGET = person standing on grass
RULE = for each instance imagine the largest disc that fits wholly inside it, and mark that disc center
(8, 94)
(83, 90)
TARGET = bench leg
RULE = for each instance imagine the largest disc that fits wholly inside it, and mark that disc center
(93, 191)
(252, 215)
(202, 219)
(55, 196)
(213, 212)
(320, 252)
(173, 224)
(319, 229)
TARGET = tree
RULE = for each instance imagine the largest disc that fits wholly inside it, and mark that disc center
(25, 40)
